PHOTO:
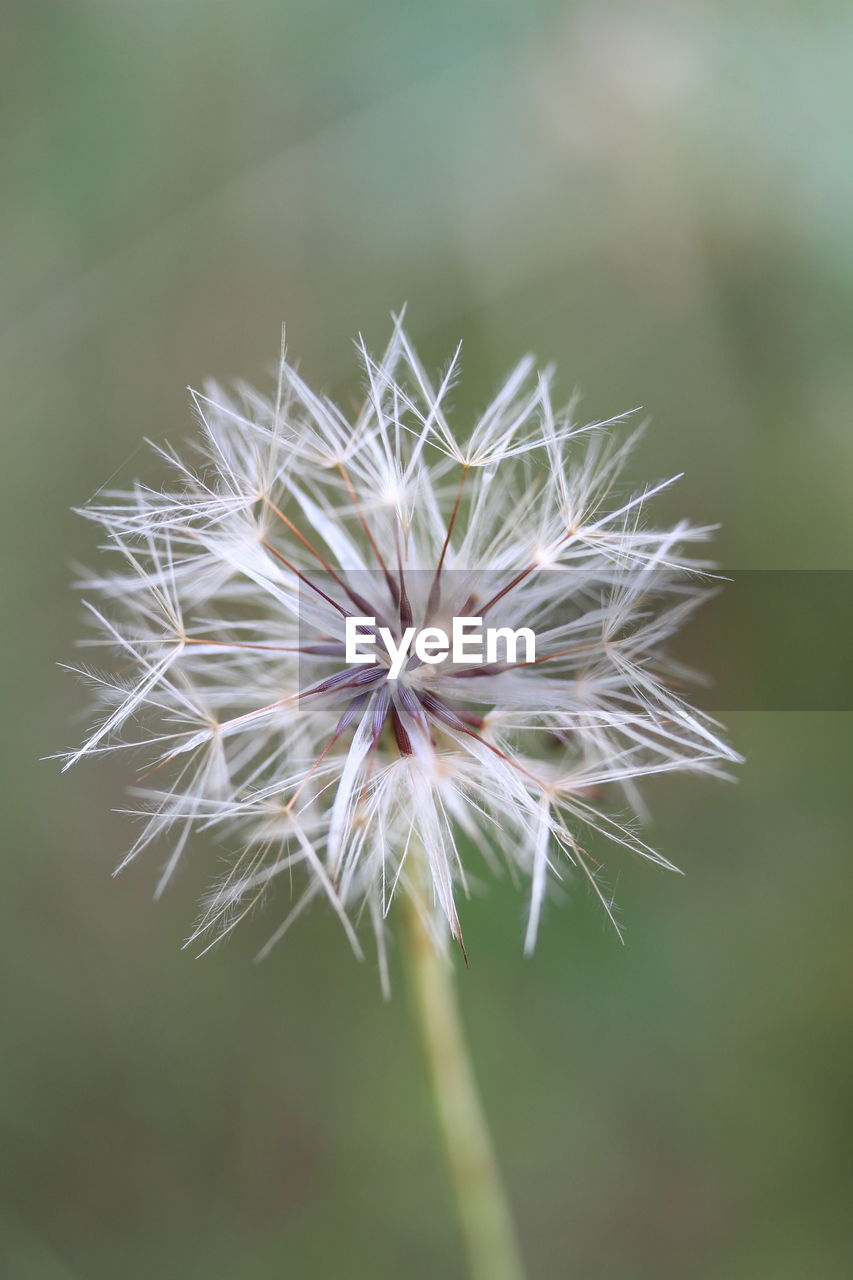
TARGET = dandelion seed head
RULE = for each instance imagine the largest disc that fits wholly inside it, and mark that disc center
(226, 605)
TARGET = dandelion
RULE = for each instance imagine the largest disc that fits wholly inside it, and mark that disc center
(409, 773)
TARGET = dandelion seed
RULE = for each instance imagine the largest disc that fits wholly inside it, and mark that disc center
(229, 603)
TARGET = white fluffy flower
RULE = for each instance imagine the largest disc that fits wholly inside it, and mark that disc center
(228, 613)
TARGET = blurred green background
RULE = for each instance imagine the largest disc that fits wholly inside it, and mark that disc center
(658, 196)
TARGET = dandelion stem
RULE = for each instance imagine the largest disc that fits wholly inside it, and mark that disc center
(482, 1205)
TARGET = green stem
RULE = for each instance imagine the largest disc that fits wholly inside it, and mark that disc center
(481, 1200)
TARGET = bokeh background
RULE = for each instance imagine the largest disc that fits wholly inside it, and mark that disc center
(659, 197)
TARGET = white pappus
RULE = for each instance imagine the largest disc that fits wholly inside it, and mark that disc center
(227, 604)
